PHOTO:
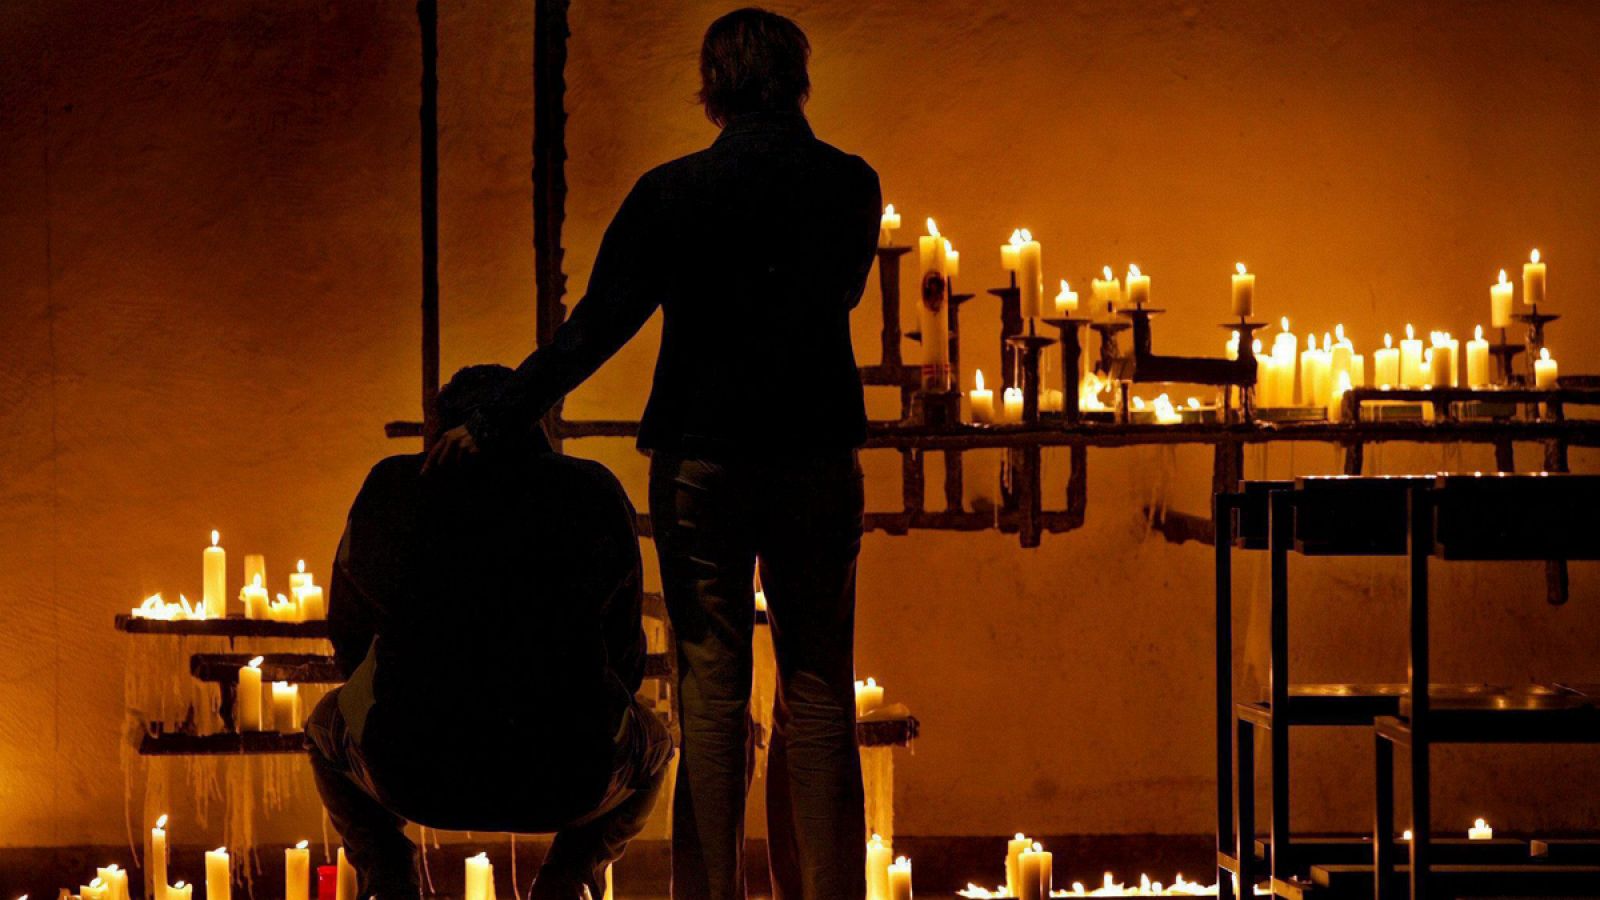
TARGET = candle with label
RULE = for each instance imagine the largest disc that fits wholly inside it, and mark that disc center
(1533, 280)
(932, 317)
(1138, 287)
(214, 586)
(1411, 372)
(219, 880)
(880, 855)
(297, 872)
(887, 226)
(249, 696)
(869, 696)
(1477, 360)
(981, 401)
(1244, 291)
(1500, 303)
(1545, 371)
(1386, 363)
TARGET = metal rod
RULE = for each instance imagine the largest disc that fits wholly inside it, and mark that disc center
(550, 33)
(428, 113)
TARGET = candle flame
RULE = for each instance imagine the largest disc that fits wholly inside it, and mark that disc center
(1502, 276)
(162, 822)
(1477, 332)
(979, 379)
(1534, 256)
(96, 882)
(221, 850)
(1194, 402)
(1240, 267)
(256, 663)
(1133, 271)
(1311, 342)
(1257, 345)
(215, 537)
(1285, 322)
(1338, 332)
(902, 861)
(889, 210)
(302, 845)
(1036, 847)
(256, 581)
(1411, 334)
(1027, 236)
(1065, 288)
(933, 230)
(1388, 341)
(1481, 823)
(1406, 835)
(1544, 354)
(300, 566)
(1107, 271)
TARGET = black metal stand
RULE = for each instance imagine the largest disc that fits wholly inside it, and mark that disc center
(1535, 321)
(1071, 329)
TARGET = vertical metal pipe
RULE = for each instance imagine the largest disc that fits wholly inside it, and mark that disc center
(1420, 548)
(428, 19)
(1222, 513)
(550, 33)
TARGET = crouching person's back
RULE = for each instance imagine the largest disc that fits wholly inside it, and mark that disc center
(487, 615)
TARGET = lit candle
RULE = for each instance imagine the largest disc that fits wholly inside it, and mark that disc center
(249, 693)
(1034, 868)
(1230, 349)
(255, 566)
(285, 706)
(1308, 374)
(115, 879)
(887, 226)
(1107, 293)
(1500, 303)
(952, 260)
(1266, 378)
(1439, 358)
(180, 891)
(1138, 287)
(300, 577)
(1453, 345)
(1066, 300)
(880, 855)
(1283, 350)
(1386, 363)
(900, 879)
(156, 871)
(312, 605)
(480, 878)
(219, 885)
(1322, 369)
(869, 696)
(1012, 404)
(1480, 830)
(214, 585)
(1341, 385)
(1411, 374)
(1341, 356)
(1545, 371)
(94, 890)
(1014, 850)
(347, 878)
(1358, 370)
(1030, 275)
(981, 400)
(1051, 400)
(254, 598)
(1477, 360)
(1533, 280)
(297, 872)
(1008, 251)
(1244, 291)
(284, 610)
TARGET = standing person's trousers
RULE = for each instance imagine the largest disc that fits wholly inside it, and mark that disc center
(802, 519)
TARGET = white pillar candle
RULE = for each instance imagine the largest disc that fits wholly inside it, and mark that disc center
(981, 401)
(1500, 303)
(1480, 831)
(1138, 287)
(115, 879)
(253, 596)
(1533, 280)
(1341, 356)
(1230, 348)
(1438, 357)
(1244, 291)
(1266, 379)
(284, 610)
(1411, 373)
(1477, 360)
(180, 891)
(952, 261)
(1107, 293)
(900, 879)
(285, 706)
(1014, 849)
(480, 878)
(1386, 364)
(887, 226)
(1012, 402)
(300, 577)
(1322, 369)
(1030, 275)
(346, 884)
(248, 703)
(214, 584)
(1452, 344)
(1035, 867)
(156, 870)
(297, 872)
(255, 566)
(1008, 251)
(1358, 370)
(880, 855)
(1283, 354)
(1051, 400)
(219, 881)
(1341, 385)
(313, 607)
(1066, 300)
(1308, 375)
(869, 696)
(1545, 371)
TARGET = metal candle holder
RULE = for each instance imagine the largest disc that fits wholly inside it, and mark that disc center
(1535, 321)
(1010, 327)
(1071, 329)
(1027, 346)
(1247, 392)
(1505, 354)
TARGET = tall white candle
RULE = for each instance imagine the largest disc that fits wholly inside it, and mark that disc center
(1244, 291)
(1266, 379)
(286, 706)
(1411, 373)
(249, 696)
(219, 883)
(1533, 280)
(1545, 371)
(1500, 303)
(1358, 370)
(934, 321)
(1030, 275)
(1014, 849)
(1477, 360)
(214, 586)
(297, 872)
(887, 226)
(1138, 287)
(1308, 373)
(900, 879)
(156, 871)
(880, 855)
(1386, 363)
(345, 886)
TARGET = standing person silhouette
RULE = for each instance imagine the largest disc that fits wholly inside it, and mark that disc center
(756, 249)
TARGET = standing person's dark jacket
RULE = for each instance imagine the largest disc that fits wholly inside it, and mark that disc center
(504, 596)
(756, 248)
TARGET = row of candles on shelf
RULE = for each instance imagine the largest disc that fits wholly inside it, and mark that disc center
(275, 708)
(305, 601)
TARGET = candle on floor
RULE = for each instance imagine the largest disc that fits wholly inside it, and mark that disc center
(1477, 360)
(900, 879)
(1106, 292)
(180, 891)
(1545, 371)
(313, 607)
(284, 610)
(249, 696)
(1138, 287)
(1500, 303)
(94, 890)
(255, 566)
(1014, 849)
(1012, 402)
(1411, 372)
(1533, 280)
(156, 870)
(1030, 275)
(1480, 830)
(1034, 865)
(300, 577)
(887, 226)
(1386, 363)
(1066, 300)
(254, 597)
(115, 879)
(286, 706)
(869, 696)
(480, 878)
(297, 872)
(219, 883)
(327, 883)
(880, 855)
(347, 878)
(1008, 251)
(1244, 291)
(214, 586)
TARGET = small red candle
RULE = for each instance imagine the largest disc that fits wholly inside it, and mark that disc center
(327, 882)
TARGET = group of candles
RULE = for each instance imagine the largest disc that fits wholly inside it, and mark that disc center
(888, 876)
(335, 882)
(304, 603)
(276, 709)
(869, 697)
(1110, 887)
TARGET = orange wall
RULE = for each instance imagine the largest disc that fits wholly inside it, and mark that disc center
(210, 270)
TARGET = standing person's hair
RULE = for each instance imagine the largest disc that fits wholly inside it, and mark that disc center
(753, 60)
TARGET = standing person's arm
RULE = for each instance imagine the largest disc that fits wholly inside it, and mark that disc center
(624, 289)
(865, 220)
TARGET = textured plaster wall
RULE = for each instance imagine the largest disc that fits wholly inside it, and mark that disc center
(208, 286)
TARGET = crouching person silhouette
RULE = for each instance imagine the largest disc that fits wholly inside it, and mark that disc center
(487, 616)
